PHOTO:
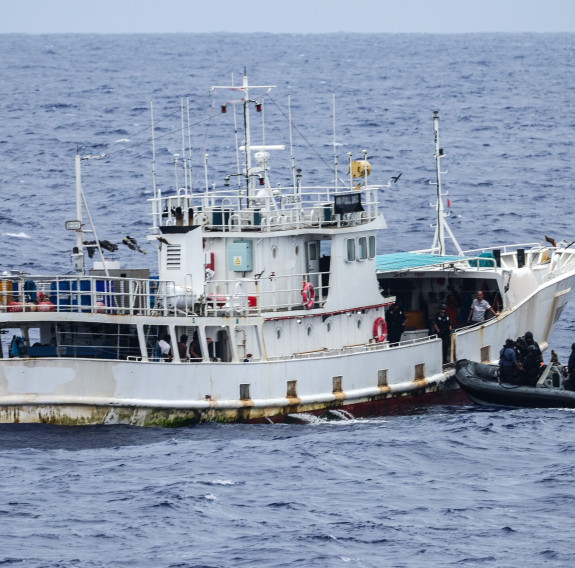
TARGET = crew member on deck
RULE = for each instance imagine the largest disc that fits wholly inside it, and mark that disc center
(442, 326)
(183, 347)
(395, 320)
(165, 347)
(478, 308)
(195, 349)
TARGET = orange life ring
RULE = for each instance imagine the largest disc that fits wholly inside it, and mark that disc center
(379, 330)
(308, 295)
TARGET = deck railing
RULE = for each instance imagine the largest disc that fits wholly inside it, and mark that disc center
(132, 296)
(226, 210)
(267, 294)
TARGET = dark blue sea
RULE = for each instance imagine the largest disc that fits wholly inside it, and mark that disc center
(445, 486)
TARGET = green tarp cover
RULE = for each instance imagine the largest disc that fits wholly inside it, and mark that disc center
(401, 261)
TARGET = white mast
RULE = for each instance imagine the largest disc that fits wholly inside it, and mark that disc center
(79, 256)
(156, 203)
(293, 172)
(334, 144)
(442, 226)
(439, 239)
(246, 88)
(81, 198)
(184, 160)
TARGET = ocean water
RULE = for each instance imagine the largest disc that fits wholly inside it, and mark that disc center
(445, 486)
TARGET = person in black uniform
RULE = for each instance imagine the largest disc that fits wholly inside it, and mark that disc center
(395, 320)
(520, 349)
(530, 341)
(531, 365)
(442, 326)
(570, 382)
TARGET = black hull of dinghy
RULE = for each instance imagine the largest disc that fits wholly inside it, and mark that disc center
(481, 384)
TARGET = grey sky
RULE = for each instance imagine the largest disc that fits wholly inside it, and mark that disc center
(291, 16)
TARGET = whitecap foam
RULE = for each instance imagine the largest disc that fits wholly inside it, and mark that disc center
(17, 235)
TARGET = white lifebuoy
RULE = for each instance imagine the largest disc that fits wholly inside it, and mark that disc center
(380, 330)
(308, 295)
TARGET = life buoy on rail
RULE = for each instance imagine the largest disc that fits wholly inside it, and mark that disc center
(379, 330)
(308, 295)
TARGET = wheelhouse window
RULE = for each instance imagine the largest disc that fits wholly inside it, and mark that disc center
(372, 246)
(350, 250)
(362, 246)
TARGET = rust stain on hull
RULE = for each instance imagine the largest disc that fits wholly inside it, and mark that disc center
(379, 404)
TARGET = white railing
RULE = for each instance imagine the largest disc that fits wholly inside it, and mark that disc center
(131, 296)
(226, 210)
(371, 346)
(267, 294)
(93, 294)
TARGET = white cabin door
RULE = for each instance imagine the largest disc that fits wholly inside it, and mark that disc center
(312, 249)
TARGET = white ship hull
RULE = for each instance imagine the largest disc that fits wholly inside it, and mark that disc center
(376, 379)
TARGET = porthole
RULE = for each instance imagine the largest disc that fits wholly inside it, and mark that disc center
(296, 250)
(358, 323)
(274, 251)
(328, 326)
(309, 329)
(278, 332)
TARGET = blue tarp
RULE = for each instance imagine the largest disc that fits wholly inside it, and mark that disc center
(400, 261)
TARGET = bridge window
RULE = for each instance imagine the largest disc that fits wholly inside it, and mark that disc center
(350, 250)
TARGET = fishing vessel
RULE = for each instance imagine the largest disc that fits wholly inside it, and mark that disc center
(269, 303)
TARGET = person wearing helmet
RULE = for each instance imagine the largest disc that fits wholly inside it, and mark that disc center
(508, 365)
(520, 349)
(570, 382)
(530, 341)
(531, 366)
(442, 326)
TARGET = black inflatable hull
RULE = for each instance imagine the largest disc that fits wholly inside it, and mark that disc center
(481, 384)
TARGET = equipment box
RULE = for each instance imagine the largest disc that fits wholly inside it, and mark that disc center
(240, 256)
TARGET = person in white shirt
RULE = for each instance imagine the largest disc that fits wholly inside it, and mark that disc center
(165, 348)
(478, 308)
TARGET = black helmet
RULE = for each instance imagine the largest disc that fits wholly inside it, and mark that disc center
(509, 343)
(528, 335)
(442, 307)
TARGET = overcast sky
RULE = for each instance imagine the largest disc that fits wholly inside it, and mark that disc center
(286, 16)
